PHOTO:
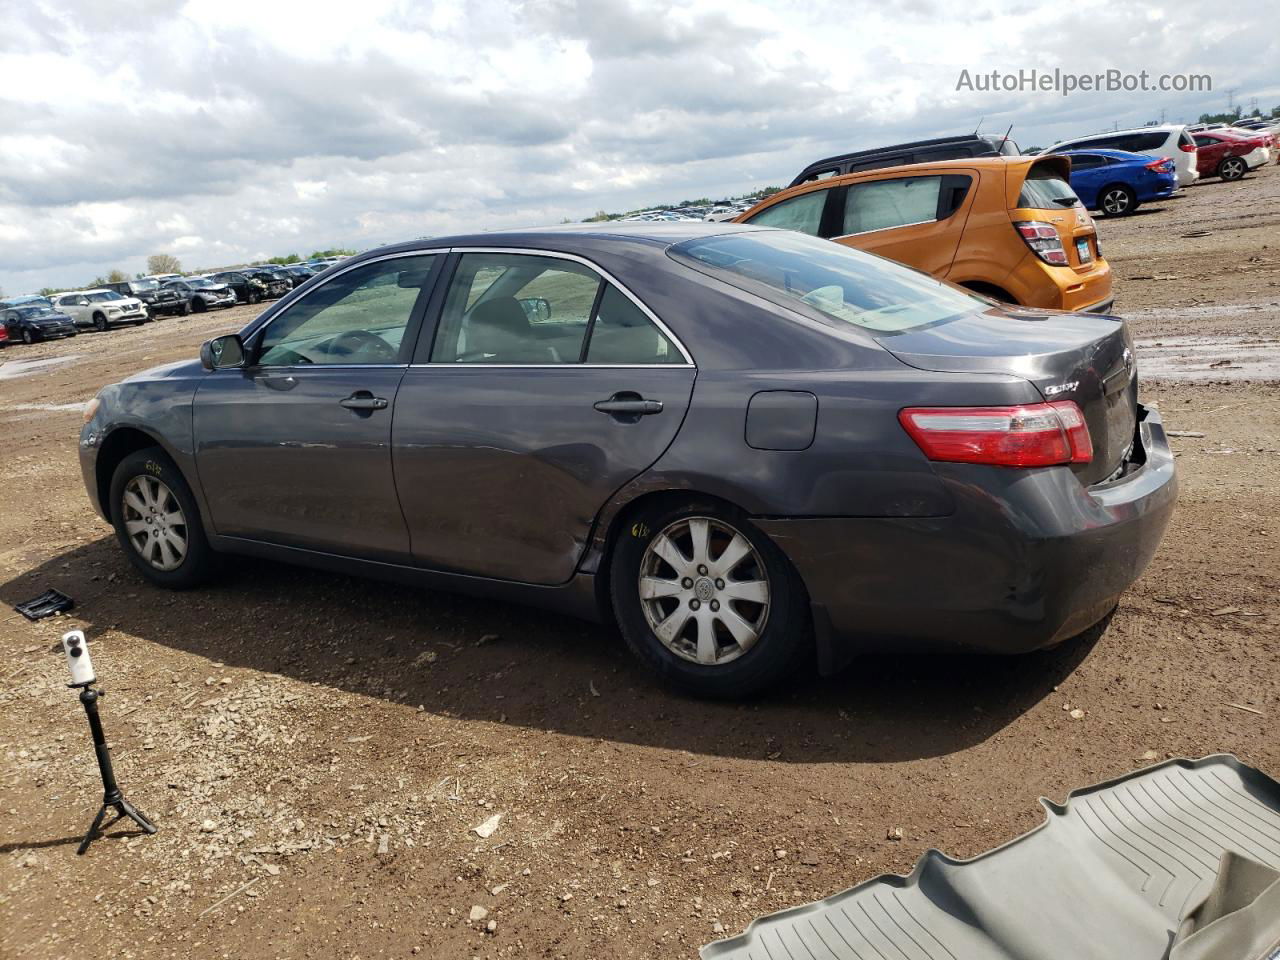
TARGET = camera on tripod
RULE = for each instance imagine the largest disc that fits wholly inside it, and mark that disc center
(78, 662)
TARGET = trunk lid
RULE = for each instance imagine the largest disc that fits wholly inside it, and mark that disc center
(1068, 356)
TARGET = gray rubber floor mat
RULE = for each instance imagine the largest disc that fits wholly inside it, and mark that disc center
(1108, 876)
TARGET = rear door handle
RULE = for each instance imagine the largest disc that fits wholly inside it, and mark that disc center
(636, 407)
(364, 400)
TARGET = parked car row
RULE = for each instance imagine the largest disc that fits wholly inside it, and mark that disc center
(32, 318)
(974, 211)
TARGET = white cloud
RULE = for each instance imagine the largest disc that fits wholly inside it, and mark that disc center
(222, 129)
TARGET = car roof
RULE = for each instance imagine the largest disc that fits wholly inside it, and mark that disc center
(1101, 152)
(569, 236)
(1159, 128)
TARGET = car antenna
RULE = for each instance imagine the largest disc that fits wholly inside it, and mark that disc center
(1005, 139)
(979, 126)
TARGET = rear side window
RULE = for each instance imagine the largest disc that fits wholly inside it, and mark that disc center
(1086, 161)
(1138, 142)
(621, 333)
(883, 204)
(1045, 190)
(802, 213)
(837, 283)
(1203, 141)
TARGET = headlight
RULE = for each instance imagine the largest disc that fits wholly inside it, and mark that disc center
(91, 408)
(113, 309)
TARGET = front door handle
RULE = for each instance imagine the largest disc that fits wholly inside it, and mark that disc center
(364, 400)
(628, 405)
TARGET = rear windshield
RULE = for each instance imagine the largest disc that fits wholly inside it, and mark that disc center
(843, 285)
(1045, 190)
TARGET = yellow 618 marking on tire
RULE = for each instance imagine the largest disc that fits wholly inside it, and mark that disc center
(639, 529)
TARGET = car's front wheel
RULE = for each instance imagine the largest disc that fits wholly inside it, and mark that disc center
(100, 323)
(1233, 168)
(157, 522)
(1117, 201)
(708, 601)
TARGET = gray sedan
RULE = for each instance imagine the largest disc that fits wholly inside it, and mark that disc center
(749, 448)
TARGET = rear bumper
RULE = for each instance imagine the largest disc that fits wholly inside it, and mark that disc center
(1102, 306)
(1028, 559)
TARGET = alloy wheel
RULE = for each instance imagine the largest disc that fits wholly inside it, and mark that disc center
(154, 522)
(1115, 202)
(704, 590)
(1233, 169)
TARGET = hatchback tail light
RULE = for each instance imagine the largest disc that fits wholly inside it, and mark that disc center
(1044, 239)
(1187, 147)
(1163, 165)
(1031, 435)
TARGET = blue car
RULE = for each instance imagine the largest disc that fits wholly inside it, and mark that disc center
(1116, 183)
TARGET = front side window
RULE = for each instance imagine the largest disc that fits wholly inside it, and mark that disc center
(105, 295)
(69, 301)
(843, 285)
(526, 309)
(358, 317)
(802, 213)
(882, 204)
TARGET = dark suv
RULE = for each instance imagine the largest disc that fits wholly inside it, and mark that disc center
(920, 151)
(246, 288)
(159, 299)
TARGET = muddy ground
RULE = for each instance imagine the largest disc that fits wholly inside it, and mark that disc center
(320, 748)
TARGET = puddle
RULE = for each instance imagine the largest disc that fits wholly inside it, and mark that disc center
(48, 407)
(1206, 358)
(21, 368)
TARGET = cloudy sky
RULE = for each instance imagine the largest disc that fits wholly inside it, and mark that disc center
(228, 130)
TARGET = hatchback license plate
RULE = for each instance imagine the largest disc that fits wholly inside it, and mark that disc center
(1082, 250)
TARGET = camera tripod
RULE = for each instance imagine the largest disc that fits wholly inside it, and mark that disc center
(112, 798)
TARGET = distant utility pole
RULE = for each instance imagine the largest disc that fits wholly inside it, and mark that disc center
(1162, 116)
(1253, 106)
(1231, 99)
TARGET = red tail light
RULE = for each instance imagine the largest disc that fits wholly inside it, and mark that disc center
(1044, 239)
(1031, 435)
(1187, 147)
(1163, 165)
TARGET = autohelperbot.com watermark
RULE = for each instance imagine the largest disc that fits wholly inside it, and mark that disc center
(1057, 80)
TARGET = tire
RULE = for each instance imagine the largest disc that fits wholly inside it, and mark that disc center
(253, 296)
(715, 664)
(1117, 200)
(184, 309)
(100, 323)
(1232, 168)
(27, 336)
(147, 489)
(198, 306)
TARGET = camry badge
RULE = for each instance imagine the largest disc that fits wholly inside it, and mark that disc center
(1057, 388)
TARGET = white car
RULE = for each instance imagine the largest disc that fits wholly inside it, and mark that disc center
(1170, 140)
(101, 309)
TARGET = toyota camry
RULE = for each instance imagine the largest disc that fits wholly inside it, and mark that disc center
(751, 449)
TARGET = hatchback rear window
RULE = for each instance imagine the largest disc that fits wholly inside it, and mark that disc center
(1045, 190)
(841, 284)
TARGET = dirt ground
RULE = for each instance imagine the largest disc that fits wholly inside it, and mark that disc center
(317, 750)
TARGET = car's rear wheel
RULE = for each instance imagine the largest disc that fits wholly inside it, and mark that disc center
(1118, 200)
(157, 522)
(100, 323)
(707, 601)
(1232, 168)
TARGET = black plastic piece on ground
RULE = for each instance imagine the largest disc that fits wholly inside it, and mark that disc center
(45, 605)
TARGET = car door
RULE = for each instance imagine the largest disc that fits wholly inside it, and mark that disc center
(546, 387)
(916, 219)
(1088, 175)
(1209, 153)
(76, 307)
(294, 447)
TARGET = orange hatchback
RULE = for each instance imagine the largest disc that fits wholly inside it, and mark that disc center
(1008, 227)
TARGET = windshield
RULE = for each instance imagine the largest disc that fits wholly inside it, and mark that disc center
(201, 282)
(842, 284)
(142, 286)
(37, 311)
(104, 295)
(1045, 190)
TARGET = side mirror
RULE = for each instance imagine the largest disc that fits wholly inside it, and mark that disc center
(226, 351)
(536, 308)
